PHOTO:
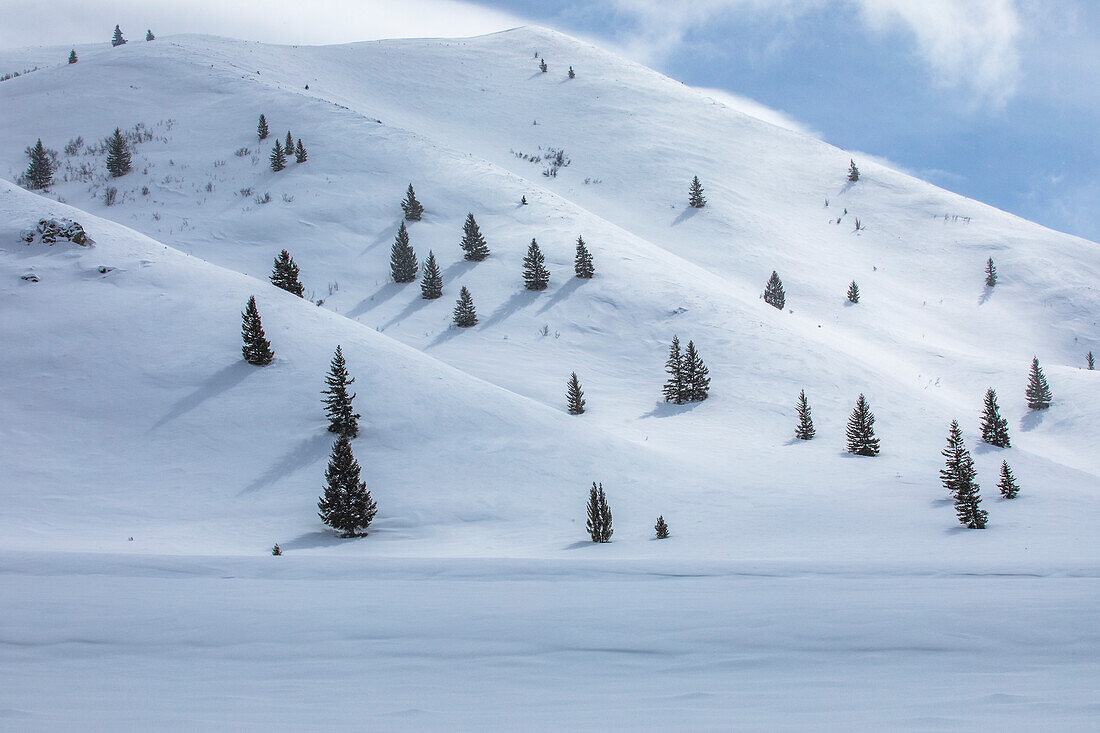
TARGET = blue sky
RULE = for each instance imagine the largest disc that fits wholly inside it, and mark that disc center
(996, 99)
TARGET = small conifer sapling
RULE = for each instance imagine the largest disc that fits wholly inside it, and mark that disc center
(257, 349)
(342, 417)
(994, 427)
(39, 172)
(72, 56)
(117, 39)
(284, 274)
(149, 35)
(1007, 485)
(261, 128)
(118, 155)
(774, 295)
(990, 273)
(278, 157)
(695, 194)
(473, 243)
(346, 504)
(574, 396)
(662, 528)
(853, 293)
(300, 155)
(431, 282)
(1090, 362)
(403, 264)
(412, 208)
(958, 477)
(861, 430)
(1038, 391)
(465, 314)
(542, 65)
(523, 200)
(572, 74)
(276, 550)
(805, 428)
(599, 515)
(673, 389)
(288, 146)
(535, 274)
(853, 172)
(695, 375)
(582, 263)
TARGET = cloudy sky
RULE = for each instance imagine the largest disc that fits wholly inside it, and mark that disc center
(996, 99)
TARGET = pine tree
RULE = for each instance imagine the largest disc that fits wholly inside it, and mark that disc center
(412, 208)
(853, 172)
(465, 314)
(473, 244)
(276, 550)
(288, 146)
(805, 429)
(431, 282)
(695, 375)
(861, 430)
(1038, 392)
(257, 349)
(695, 194)
(523, 200)
(572, 74)
(574, 396)
(403, 264)
(118, 155)
(1007, 485)
(284, 274)
(853, 292)
(149, 35)
(958, 477)
(994, 427)
(72, 56)
(773, 292)
(599, 515)
(674, 387)
(342, 417)
(535, 274)
(990, 273)
(39, 173)
(662, 528)
(1090, 362)
(261, 128)
(542, 65)
(300, 152)
(117, 39)
(346, 505)
(278, 157)
(582, 263)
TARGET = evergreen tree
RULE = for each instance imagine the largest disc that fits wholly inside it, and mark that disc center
(853, 292)
(994, 427)
(542, 65)
(72, 56)
(599, 515)
(117, 39)
(1090, 362)
(412, 208)
(342, 417)
(1008, 487)
(257, 349)
(582, 263)
(695, 194)
(695, 375)
(861, 430)
(261, 128)
(465, 314)
(39, 173)
(535, 274)
(278, 157)
(284, 274)
(523, 200)
(118, 155)
(805, 429)
(958, 477)
(853, 172)
(662, 528)
(403, 264)
(473, 244)
(300, 152)
(346, 505)
(1038, 392)
(574, 396)
(674, 387)
(572, 74)
(773, 292)
(990, 273)
(431, 282)
(149, 35)
(288, 146)
(276, 550)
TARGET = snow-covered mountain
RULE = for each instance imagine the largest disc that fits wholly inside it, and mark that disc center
(129, 413)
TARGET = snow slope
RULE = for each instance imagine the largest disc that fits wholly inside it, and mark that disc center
(128, 412)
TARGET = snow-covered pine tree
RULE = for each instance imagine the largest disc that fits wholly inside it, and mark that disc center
(149, 35)
(853, 292)
(403, 264)
(574, 395)
(1090, 362)
(278, 157)
(695, 194)
(696, 376)
(1038, 391)
(861, 430)
(535, 274)
(853, 172)
(118, 155)
(465, 314)
(346, 504)
(39, 172)
(72, 56)
(582, 263)
(674, 387)
(774, 294)
(1007, 485)
(300, 152)
(342, 417)
(599, 515)
(288, 146)
(990, 273)
(117, 39)
(431, 282)
(805, 428)
(542, 65)
(994, 427)
(284, 274)
(261, 128)
(958, 477)
(661, 527)
(412, 208)
(572, 74)
(257, 349)
(473, 244)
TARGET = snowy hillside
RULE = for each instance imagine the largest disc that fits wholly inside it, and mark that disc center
(129, 413)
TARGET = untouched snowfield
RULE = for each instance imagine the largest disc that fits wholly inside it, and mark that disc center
(146, 470)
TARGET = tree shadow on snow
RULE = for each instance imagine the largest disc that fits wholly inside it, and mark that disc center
(1032, 420)
(225, 379)
(386, 235)
(987, 293)
(981, 448)
(518, 300)
(411, 308)
(310, 451)
(668, 409)
(375, 299)
(579, 544)
(562, 293)
(311, 540)
(688, 212)
(446, 335)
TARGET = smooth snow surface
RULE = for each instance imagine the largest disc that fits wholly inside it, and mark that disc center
(802, 588)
